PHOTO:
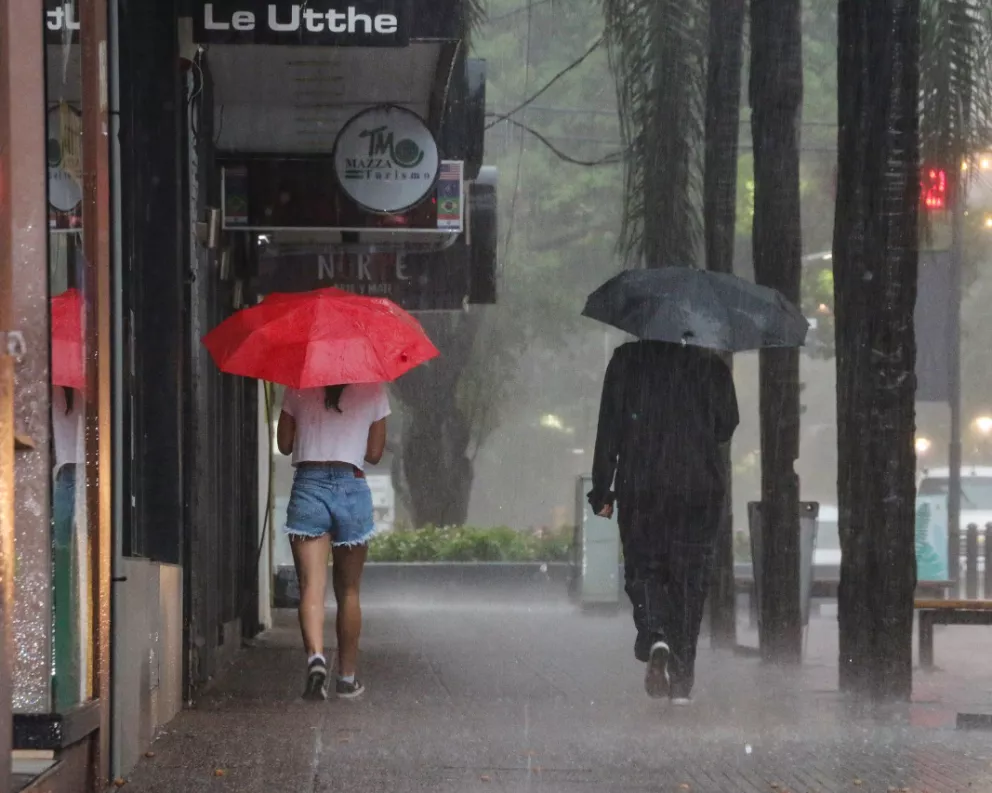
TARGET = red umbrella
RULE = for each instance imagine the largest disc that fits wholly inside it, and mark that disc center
(68, 369)
(324, 337)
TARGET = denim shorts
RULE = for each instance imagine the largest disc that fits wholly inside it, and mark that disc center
(330, 501)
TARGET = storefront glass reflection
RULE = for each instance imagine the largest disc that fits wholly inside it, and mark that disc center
(71, 563)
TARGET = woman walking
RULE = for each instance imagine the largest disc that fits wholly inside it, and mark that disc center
(332, 432)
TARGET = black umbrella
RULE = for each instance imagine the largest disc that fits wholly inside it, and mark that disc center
(698, 307)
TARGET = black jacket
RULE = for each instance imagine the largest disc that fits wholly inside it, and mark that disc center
(665, 412)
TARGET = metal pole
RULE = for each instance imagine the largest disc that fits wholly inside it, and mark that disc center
(971, 568)
(987, 586)
(954, 376)
(96, 244)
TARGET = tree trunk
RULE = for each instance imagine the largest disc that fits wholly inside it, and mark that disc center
(657, 55)
(875, 270)
(435, 461)
(670, 219)
(776, 92)
(723, 113)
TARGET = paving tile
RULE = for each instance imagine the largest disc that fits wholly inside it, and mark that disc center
(471, 695)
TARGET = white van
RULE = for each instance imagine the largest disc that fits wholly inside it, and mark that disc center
(827, 551)
(976, 492)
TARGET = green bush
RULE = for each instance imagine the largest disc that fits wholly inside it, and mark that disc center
(469, 544)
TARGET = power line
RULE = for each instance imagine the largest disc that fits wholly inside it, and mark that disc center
(571, 111)
(612, 158)
(520, 153)
(573, 65)
(519, 10)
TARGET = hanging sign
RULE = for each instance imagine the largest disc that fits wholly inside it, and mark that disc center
(338, 23)
(415, 282)
(386, 159)
(61, 22)
(282, 269)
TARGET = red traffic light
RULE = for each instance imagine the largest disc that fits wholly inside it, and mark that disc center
(933, 188)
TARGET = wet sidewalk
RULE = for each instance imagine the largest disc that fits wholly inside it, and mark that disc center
(469, 695)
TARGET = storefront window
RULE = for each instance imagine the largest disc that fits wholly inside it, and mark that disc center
(71, 563)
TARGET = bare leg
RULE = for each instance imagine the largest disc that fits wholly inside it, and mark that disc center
(310, 558)
(347, 574)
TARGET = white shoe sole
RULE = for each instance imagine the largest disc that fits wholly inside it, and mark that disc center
(316, 693)
(351, 694)
(657, 683)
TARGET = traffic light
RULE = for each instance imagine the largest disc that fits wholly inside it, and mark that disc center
(933, 188)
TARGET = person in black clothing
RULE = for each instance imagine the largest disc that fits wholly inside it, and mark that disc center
(666, 411)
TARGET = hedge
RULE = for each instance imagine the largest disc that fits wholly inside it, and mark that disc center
(499, 544)
(469, 544)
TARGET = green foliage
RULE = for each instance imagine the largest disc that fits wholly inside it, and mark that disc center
(468, 544)
(558, 220)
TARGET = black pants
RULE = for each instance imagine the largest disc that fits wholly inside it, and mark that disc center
(668, 543)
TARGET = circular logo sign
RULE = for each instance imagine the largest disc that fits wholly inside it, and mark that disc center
(386, 159)
(65, 194)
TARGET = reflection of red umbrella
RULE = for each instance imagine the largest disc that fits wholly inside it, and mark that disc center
(67, 340)
(324, 337)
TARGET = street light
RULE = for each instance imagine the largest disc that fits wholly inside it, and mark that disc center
(923, 445)
(983, 425)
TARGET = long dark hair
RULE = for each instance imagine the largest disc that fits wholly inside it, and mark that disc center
(332, 397)
(70, 398)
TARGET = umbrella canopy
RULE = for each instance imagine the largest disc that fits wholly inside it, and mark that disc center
(683, 305)
(319, 338)
(68, 369)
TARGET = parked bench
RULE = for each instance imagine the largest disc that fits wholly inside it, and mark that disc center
(825, 588)
(948, 612)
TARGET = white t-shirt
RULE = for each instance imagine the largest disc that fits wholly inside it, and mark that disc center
(67, 428)
(323, 434)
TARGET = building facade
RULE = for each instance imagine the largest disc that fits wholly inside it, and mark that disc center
(136, 512)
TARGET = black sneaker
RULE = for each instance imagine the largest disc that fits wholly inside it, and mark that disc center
(656, 680)
(316, 680)
(349, 689)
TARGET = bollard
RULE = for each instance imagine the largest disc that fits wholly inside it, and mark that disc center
(988, 562)
(971, 574)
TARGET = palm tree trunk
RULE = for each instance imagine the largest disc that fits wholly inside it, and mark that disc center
(776, 92)
(723, 113)
(657, 54)
(875, 271)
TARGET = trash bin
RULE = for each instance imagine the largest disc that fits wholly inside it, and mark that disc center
(808, 515)
(596, 557)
